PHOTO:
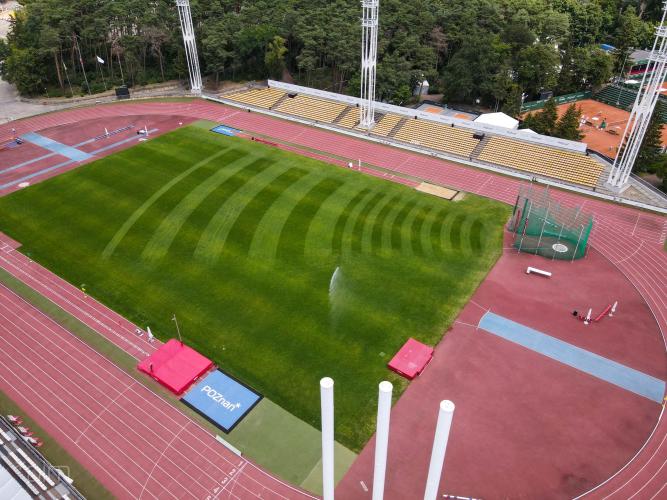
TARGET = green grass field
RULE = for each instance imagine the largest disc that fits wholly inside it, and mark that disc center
(280, 268)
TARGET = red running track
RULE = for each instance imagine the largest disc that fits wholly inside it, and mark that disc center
(96, 316)
(630, 239)
(133, 441)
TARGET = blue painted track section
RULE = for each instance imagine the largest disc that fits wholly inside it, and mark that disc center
(56, 147)
(585, 361)
(59, 165)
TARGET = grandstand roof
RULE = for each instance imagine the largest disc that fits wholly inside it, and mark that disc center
(498, 120)
(382, 107)
(10, 487)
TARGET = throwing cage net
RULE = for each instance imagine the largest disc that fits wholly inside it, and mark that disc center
(544, 227)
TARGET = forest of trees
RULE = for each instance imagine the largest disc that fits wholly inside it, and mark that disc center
(491, 50)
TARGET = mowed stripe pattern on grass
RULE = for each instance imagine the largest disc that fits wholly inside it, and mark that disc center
(281, 268)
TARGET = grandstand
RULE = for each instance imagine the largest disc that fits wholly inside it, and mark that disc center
(264, 98)
(570, 167)
(349, 118)
(386, 124)
(312, 108)
(448, 139)
(535, 155)
(26, 473)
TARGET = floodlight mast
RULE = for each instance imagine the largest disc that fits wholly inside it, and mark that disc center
(185, 16)
(647, 97)
(369, 43)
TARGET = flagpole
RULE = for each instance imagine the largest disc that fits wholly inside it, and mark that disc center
(122, 78)
(101, 72)
(76, 41)
(68, 81)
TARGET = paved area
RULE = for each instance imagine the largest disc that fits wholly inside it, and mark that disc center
(12, 108)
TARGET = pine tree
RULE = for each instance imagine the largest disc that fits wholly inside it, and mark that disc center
(547, 118)
(649, 153)
(568, 125)
(532, 121)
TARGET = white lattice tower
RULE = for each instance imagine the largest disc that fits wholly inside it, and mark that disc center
(185, 16)
(647, 97)
(369, 45)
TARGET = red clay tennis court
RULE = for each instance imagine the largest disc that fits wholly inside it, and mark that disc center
(175, 365)
(603, 140)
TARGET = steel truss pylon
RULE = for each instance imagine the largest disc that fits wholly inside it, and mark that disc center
(647, 97)
(369, 44)
(185, 16)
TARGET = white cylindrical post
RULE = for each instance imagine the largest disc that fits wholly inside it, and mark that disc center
(613, 308)
(588, 316)
(382, 439)
(327, 400)
(439, 447)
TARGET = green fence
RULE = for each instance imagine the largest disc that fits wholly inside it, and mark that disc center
(561, 99)
(544, 227)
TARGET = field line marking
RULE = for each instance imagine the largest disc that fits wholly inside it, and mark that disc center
(127, 225)
(103, 410)
(150, 474)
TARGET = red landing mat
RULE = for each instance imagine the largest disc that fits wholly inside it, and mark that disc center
(175, 365)
(411, 359)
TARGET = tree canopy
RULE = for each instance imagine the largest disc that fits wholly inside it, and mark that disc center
(487, 50)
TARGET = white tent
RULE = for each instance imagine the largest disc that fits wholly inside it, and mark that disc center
(421, 88)
(498, 120)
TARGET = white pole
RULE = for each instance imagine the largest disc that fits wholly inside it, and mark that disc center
(643, 108)
(588, 316)
(327, 401)
(445, 415)
(382, 439)
(613, 308)
(369, 36)
(190, 44)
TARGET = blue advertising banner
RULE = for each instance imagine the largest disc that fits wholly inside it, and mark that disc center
(222, 400)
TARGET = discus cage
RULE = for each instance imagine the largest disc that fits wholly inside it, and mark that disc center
(543, 226)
